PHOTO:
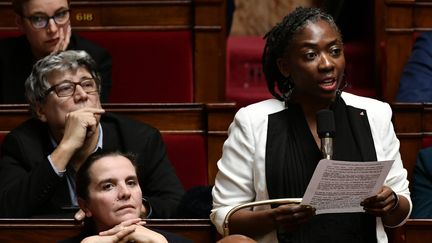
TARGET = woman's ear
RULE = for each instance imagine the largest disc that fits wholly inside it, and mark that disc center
(282, 64)
(83, 206)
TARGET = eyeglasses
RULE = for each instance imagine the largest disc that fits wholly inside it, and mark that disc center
(41, 21)
(67, 88)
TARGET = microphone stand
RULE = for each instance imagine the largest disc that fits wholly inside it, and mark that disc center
(326, 131)
(327, 147)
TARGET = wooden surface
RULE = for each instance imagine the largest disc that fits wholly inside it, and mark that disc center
(199, 230)
(418, 231)
(219, 117)
(414, 231)
(211, 120)
(412, 124)
(52, 230)
(396, 22)
(206, 19)
(411, 121)
(166, 117)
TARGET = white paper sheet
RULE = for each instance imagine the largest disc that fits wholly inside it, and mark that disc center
(340, 186)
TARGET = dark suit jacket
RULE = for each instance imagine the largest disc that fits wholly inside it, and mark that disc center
(29, 187)
(16, 62)
(415, 84)
(422, 185)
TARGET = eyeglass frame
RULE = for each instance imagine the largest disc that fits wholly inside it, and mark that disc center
(53, 88)
(47, 18)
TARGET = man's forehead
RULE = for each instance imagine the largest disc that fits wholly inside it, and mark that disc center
(57, 76)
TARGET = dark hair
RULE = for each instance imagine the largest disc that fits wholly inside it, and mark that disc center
(83, 177)
(279, 38)
(17, 6)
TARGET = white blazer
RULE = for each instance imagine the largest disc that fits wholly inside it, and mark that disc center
(241, 177)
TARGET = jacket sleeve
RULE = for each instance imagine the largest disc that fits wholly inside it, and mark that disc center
(415, 84)
(387, 146)
(234, 180)
(422, 185)
(27, 182)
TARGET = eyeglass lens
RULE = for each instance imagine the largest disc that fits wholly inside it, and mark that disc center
(68, 88)
(41, 21)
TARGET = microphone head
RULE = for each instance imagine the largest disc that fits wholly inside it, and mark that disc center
(325, 123)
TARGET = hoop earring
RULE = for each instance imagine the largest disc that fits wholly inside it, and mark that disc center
(287, 95)
(289, 87)
(339, 90)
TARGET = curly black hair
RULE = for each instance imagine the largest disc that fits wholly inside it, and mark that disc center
(278, 40)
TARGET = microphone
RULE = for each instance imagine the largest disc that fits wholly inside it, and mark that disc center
(326, 131)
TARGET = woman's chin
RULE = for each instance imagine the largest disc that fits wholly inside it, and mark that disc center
(128, 215)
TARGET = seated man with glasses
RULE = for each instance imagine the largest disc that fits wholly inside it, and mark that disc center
(46, 29)
(40, 157)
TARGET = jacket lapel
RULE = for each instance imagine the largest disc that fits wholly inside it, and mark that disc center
(362, 132)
